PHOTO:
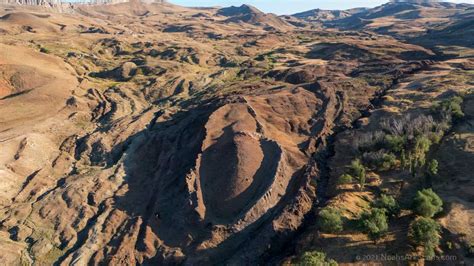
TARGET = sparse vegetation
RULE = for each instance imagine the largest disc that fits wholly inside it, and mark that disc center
(427, 203)
(425, 232)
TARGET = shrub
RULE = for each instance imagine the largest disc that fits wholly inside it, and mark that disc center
(422, 146)
(362, 181)
(407, 126)
(404, 160)
(389, 161)
(315, 258)
(436, 136)
(358, 170)
(368, 140)
(394, 143)
(425, 232)
(389, 204)
(44, 50)
(470, 250)
(374, 223)
(330, 220)
(427, 203)
(451, 107)
(432, 167)
(417, 156)
(380, 160)
(344, 179)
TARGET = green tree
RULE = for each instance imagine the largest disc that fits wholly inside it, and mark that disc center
(425, 232)
(388, 203)
(395, 143)
(422, 146)
(358, 171)
(330, 220)
(432, 168)
(389, 161)
(374, 223)
(315, 258)
(404, 161)
(344, 179)
(427, 203)
(417, 155)
(362, 181)
(452, 107)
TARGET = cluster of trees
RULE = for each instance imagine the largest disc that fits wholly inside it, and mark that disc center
(374, 222)
(424, 231)
(403, 143)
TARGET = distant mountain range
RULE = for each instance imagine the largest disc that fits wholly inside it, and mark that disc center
(402, 18)
(54, 3)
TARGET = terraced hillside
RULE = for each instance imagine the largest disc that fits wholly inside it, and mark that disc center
(150, 133)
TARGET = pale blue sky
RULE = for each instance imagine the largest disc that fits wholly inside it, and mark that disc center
(290, 6)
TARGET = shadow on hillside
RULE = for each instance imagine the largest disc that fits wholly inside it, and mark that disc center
(160, 167)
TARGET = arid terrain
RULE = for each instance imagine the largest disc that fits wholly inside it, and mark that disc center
(146, 133)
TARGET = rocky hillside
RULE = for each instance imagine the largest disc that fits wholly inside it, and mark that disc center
(153, 134)
(251, 15)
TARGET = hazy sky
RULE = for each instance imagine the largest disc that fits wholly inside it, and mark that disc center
(290, 6)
